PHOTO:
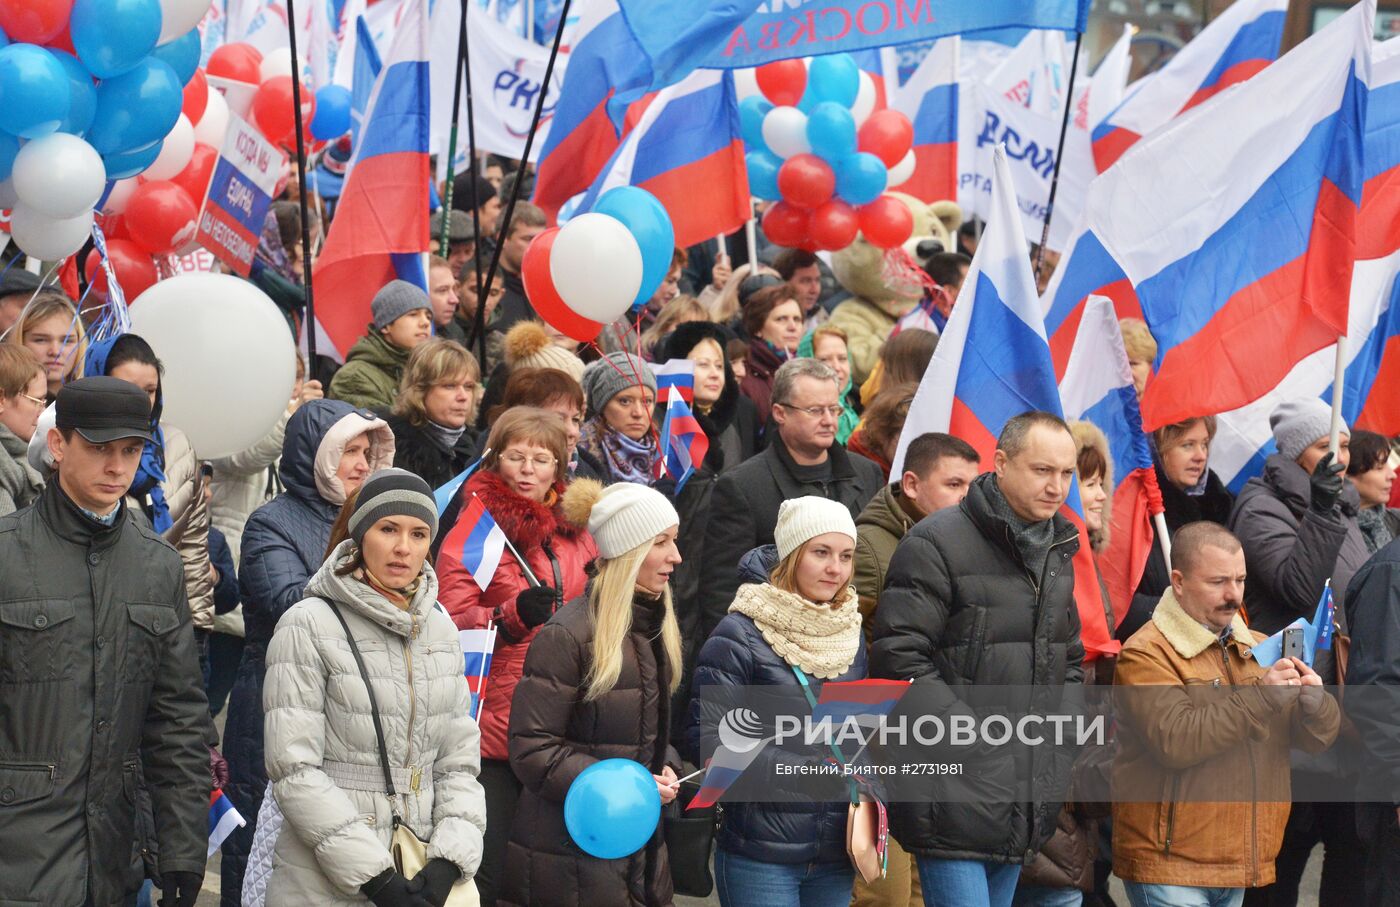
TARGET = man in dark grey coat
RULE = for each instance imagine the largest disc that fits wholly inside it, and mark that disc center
(99, 677)
(982, 594)
(802, 458)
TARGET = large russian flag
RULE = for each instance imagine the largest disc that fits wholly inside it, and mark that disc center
(1239, 43)
(687, 151)
(993, 363)
(930, 100)
(1098, 387)
(380, 230)
(1235, 227)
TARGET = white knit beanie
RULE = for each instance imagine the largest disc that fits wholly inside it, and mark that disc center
(800, 519)
(626, 515)
(1298, 424)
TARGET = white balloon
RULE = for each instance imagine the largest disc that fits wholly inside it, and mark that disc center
(596, 265)
(59, 176)
(785, 132)
(121, 191)
(8, 199)
(213, 125)
(179, 16)
(229, 358)
(864, 105)
(175, 153)
(48, 238)
(900, 173)
(275, 63)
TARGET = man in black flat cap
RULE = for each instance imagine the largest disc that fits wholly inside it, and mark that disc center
(16, 287)
(99, 678)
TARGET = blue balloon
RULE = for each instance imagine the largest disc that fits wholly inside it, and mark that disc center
(33, 91)
(612, 808)
(752, 110)
(831, 131)
(112, 36)
(332, 119)
(135, 108)
(861, 178)
(9, 147)
(646, 219)
(123, 164)
(763, 174)
(82, 95)
(4, 38)
(182, 54)
(833, 77)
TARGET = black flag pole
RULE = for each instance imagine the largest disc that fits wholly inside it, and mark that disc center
(462, 70)
(1059, 154)
(310, 322)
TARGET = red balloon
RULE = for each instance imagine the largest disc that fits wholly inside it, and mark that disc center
(833, 226)
(113, 226)
(539, 289)
(63, 40)
(806, 180)
(136, 272)
(274, 111)
(782, 82)
(885, 222)
(237, 62)
(786, 225)
(196, 96)
(194, 179)
(34, 21)
(887, 134)
(161, 217)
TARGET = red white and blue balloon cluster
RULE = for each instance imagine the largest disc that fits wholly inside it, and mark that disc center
(817, 145)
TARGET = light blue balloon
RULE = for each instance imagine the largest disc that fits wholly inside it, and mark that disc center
(763, 174)
(33, 91)
(612, 808)
(123, 164)
(831, 131)
(112, 36)
(833, 77)
(752, 110)
(82, 94)
(332, 118)
(135, 108)
(9, 147)
(861, 178)
(646, 219)
(182, 54)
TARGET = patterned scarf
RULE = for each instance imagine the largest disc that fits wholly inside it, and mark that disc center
(627, 460)
(1032, 540)
(820, 639)
(1373, 527)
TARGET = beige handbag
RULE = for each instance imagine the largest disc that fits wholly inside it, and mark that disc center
(410, 854)
(866, 834)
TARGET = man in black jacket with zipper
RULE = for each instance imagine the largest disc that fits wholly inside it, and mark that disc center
(983, 594)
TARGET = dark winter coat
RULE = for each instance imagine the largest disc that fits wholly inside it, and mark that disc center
(961, 610)
(1373, 611)
(424, 455)
(1181, 508)
(744, 513)
(555, 735)
(736, 655)
(100, 684)
(514, 305)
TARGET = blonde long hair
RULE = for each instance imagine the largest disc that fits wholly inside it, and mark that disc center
(610, 609)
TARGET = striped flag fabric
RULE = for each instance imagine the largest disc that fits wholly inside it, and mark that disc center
(868, 701)
(930, 100)
(223, 819)
(476, 541)
(685, 441)
(443, 495)
(677, 373)
(477, 648)
(737, 751)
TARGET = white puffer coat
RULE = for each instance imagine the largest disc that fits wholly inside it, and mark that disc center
(322, 754)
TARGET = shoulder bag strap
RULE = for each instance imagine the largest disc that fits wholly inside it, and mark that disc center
(373, 712)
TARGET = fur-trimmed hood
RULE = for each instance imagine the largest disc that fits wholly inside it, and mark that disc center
(1187, 636)
(528, 524)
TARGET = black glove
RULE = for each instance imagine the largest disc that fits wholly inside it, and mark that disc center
(389, 889)
(436, 880)
(1327, 483)
(180, 889)
(535, 605)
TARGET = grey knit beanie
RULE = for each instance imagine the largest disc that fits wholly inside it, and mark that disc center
(1298, 424)
(396, 299)
(392, 492)
(612, 375)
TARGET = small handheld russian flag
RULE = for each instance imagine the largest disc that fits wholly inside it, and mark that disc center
(443, 494)
(477, 647)
(476, 541)
(223, 819)
(677, 373)
(1322, 620)
(868, 701)
(685, 442)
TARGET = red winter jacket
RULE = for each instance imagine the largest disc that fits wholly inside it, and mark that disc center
(530, 526)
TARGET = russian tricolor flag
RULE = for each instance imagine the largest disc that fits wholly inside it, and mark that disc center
(687, 151)
(1098, 388)
(223, 819)
(993, 363)
(476, 541)
(1239, 43)
(677, 373)
(477, 648)
(380, 231)
(724, 768)
(685, 441)
(930, 100)
(868, 701)
(1233, 230)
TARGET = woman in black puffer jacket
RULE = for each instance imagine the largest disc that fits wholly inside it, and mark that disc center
(796, 615)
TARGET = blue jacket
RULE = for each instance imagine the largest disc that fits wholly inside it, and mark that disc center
(226, 592)
(737, 655)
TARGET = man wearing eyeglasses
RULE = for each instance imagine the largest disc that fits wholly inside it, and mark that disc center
(802, 458)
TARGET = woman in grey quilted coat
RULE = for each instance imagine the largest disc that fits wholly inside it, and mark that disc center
(322, 750)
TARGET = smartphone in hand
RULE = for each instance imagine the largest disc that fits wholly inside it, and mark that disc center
(1293, 643)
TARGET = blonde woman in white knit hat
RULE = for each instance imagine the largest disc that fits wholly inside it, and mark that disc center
(795, 622)
(597, 685)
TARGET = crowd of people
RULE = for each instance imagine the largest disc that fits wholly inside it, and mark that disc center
(302, 590)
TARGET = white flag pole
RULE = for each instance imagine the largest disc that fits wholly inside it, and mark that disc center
(751, 237)
(1338, 382)
(1159, 522)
